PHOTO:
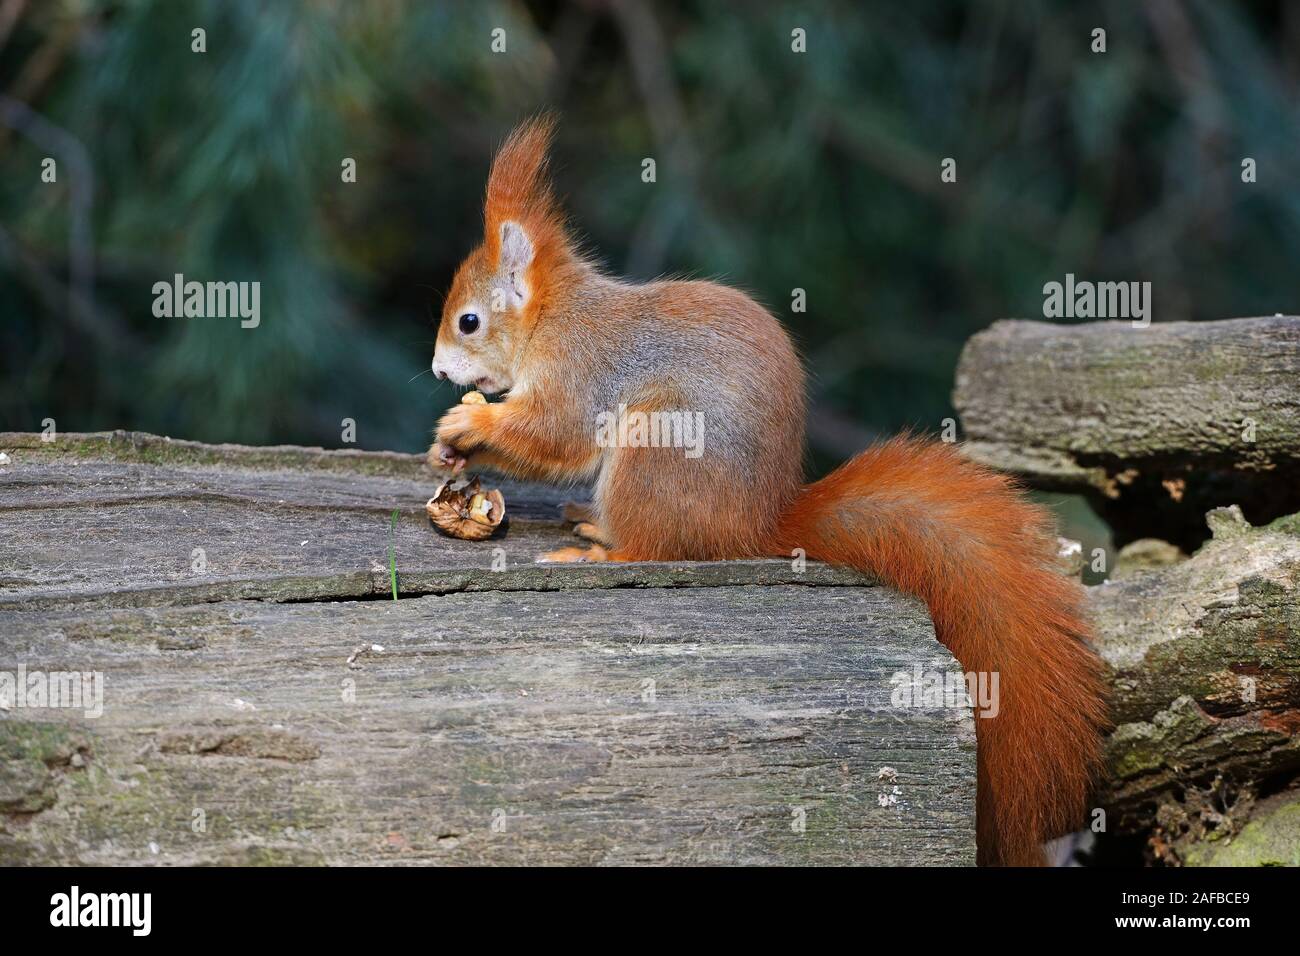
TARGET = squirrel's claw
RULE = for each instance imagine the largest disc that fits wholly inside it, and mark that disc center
(442, 457)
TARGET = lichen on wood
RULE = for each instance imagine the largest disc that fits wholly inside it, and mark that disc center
(1204, 658)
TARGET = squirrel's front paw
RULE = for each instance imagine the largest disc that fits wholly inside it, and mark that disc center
(443, 458)
(464, 428)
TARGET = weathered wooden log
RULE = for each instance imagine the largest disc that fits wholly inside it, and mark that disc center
(1267, 835)
(266, 701)
(1155, 425)
(1205, 669)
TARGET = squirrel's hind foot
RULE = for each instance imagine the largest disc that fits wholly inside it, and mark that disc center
(574, 555)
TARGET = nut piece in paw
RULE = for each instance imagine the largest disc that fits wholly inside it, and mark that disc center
(473, 398)
(464, 510)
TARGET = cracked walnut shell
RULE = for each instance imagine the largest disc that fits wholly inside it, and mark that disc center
(466, 512)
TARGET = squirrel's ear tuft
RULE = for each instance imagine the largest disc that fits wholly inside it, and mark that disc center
(520, 213)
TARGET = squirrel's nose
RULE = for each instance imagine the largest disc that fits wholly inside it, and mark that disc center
(437, 372)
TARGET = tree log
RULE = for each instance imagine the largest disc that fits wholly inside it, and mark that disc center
(1156, 425)
(273, 704)
(1205, 668)
(1269, 837)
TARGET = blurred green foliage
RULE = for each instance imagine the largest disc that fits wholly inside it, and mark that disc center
(776, 171)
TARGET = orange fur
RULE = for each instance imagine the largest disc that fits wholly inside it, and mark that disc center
(519, 190)
(924, 519)
(915, 514)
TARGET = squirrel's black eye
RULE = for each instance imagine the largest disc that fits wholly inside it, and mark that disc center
(468, 323)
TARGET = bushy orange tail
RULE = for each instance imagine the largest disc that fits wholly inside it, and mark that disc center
(922, 518)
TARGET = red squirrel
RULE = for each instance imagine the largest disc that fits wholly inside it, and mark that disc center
(531, 316)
